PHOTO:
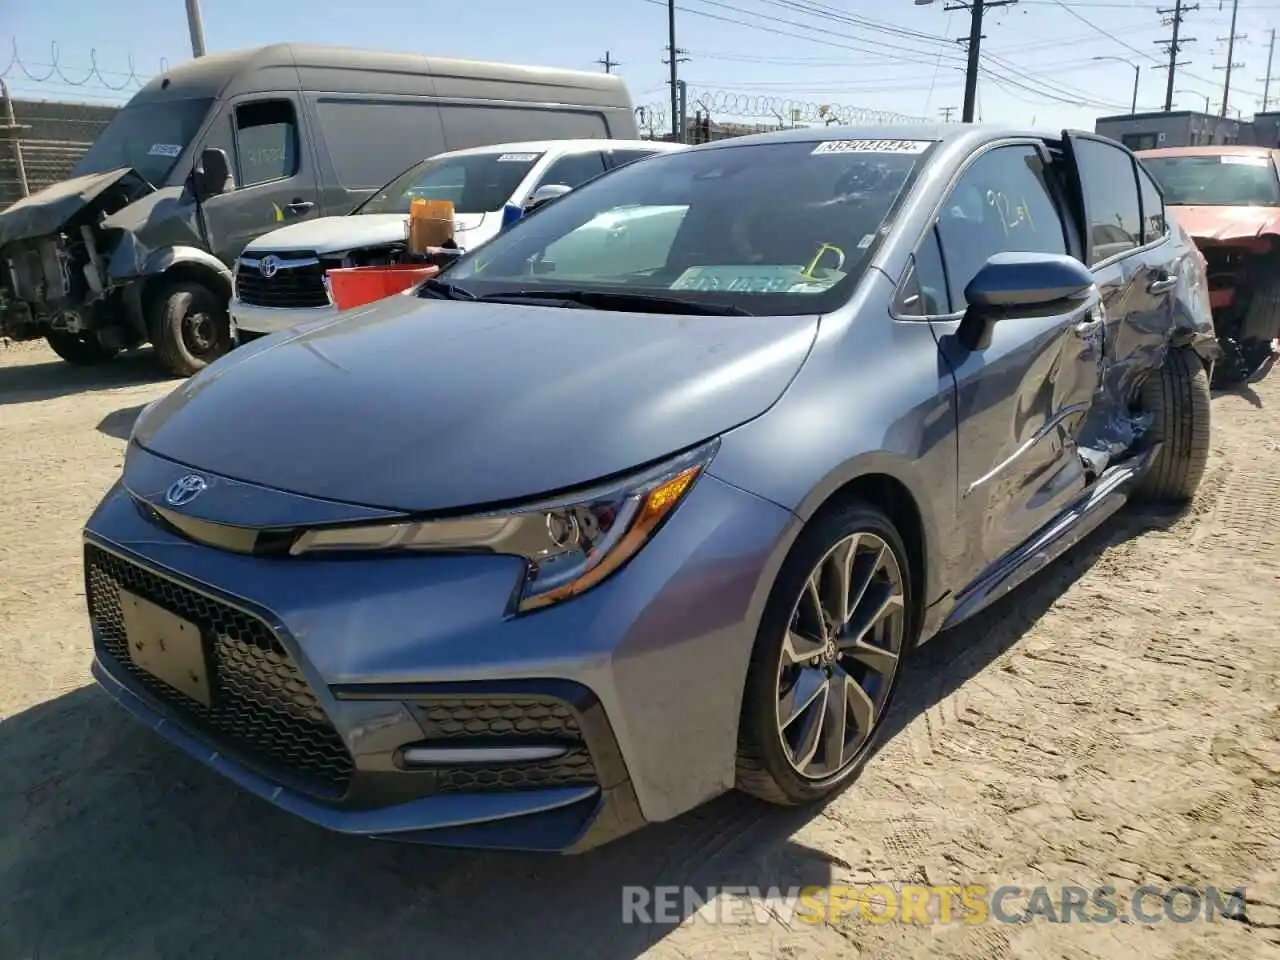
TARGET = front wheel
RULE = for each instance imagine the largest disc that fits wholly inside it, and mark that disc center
(190, 327)
(1177, 398)
(81, 349)
(836, 629)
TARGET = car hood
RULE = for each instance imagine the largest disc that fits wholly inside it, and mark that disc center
(338, 234)
(1227, 223)
(425, 405)
(47, 210)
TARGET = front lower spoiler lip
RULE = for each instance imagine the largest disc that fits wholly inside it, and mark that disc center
(412, 821)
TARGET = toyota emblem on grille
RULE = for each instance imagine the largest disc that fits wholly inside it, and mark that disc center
(268, 266)
(185, 489)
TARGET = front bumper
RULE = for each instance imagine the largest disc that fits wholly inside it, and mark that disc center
(641, 678)
(264, 320)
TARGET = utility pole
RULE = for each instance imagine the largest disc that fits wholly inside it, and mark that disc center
(1175, 44)
(1266, 84)
(977, 10)
(608, 63)
(674, 58)
(1231, 49)
(195, 23)
(946, 113)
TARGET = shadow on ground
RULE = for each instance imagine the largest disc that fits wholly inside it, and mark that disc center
(114, 845)
(119, 423)
(47, 379)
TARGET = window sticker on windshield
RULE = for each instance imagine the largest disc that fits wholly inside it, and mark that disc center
(517, 158)
(165, 150)
(1245, 161)
(872, 146)
(748, 278)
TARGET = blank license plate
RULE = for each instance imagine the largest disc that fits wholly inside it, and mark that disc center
(166, 646)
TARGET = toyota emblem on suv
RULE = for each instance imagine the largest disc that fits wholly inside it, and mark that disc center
(185, 489)
(268, 266)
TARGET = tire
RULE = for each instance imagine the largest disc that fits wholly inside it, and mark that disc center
(1262, 319)
(766, 760)
(1177, 397)
(190, 327)
(81, 349)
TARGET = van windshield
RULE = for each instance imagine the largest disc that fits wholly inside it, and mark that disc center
(148, 137)
(474, 183)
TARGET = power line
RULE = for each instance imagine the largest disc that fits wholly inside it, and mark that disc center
(673, 61)
(1175, 44)
(1231, 39)
(946, 113)
(1266, 84)
(608, 63)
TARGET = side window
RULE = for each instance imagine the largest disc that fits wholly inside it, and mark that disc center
(923, 292)
(623, 157)
(573, 170)
(404, 131)
(266, 141)
(1001, 204)
(481, 125)
(1153, 222)
(1108, 176)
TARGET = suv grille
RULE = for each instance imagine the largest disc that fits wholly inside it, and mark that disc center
(297, 282)
(507, 720)
(263, 708)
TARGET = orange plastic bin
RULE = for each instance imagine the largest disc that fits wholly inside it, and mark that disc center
(355, 286)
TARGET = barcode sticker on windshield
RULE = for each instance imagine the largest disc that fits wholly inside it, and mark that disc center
(165, 150)
(872, 146)
(1245, 161)
(517, 158)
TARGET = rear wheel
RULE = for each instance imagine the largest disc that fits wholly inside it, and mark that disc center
(81, 349)
(827, 657)
(190, 327)
(1177, 398)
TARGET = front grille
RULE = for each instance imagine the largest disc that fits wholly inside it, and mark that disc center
(263, 707)
(506, 721)
(300, 286)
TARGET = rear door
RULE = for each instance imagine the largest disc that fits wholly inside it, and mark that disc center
(1021, 399)
(1134, 262)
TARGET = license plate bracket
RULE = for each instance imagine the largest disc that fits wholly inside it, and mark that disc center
(167, 647)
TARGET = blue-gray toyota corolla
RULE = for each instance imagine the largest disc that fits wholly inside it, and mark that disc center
(653, 495)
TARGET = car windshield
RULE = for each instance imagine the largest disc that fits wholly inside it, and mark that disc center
(474, 183)
(766, 228)
(1225, 180)
(148, 137)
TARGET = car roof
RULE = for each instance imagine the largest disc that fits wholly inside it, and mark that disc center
(1214, 150)
(971, 135)
(544, 146)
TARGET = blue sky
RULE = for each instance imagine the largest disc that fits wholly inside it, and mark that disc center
(745, 56)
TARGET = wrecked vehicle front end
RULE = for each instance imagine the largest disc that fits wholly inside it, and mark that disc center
(60, 274)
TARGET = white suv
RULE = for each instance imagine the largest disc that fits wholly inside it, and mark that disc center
(280, 277)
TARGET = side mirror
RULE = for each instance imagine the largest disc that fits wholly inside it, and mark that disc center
(545, 194)
(1012, 283)
(211, 176)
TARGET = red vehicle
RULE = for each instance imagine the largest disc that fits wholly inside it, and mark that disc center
(1228, 199)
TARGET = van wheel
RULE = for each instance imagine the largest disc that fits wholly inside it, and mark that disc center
(190, 327)
(836, 629)
(81, 349)
(1177, 397)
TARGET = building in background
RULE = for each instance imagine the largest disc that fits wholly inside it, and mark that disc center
(1189, 128)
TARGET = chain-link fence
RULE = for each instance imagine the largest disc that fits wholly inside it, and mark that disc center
(41, 140)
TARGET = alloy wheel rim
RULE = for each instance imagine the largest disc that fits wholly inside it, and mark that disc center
(840, 655)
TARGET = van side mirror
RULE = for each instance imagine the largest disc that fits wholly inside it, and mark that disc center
(1013, 283)
(211, 176)
(545, 194)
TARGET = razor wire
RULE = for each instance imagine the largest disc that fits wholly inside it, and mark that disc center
(54, 71)
(720, 104)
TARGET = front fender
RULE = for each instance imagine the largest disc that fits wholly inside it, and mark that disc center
(140, 271)
(165, 258)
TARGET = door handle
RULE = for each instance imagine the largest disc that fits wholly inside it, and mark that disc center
(1162, 285)
(299, 206)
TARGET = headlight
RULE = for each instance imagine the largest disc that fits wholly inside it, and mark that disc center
(570, 544)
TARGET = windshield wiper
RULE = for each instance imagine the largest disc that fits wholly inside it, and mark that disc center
(443, 290)
(620, 300)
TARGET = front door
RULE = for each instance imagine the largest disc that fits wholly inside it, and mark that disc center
(1023, 398)
(275, 174)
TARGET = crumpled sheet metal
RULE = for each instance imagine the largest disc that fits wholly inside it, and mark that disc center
(1138, 345)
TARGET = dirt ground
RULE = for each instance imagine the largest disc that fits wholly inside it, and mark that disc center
(1115, 722)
